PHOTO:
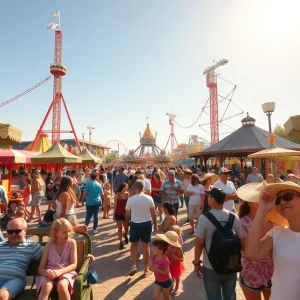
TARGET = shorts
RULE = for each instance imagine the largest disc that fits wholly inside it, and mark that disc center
(140, 232)
(70, 217)
(157, 199)
(15, 285)
(242, 282)
(194, 210)
(119, 218)
(165, 285)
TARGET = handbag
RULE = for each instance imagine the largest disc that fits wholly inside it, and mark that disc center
(92, 276)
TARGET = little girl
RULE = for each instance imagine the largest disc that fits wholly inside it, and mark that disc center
(58, 263)
(106, 204)
(160, 267)
(175, 256)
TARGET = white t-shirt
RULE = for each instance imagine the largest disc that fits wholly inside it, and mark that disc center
(198, 190)
(140, 205)
(229, 188)
(286, 258)
(147, 185)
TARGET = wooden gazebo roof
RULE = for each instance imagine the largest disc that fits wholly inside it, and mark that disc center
(244, 141)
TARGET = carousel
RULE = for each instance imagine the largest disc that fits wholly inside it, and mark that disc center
(147, 152)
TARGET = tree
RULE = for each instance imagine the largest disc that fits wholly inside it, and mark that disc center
(279, 130)
(110, 157)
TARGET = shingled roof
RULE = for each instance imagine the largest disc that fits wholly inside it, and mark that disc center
(246, 140)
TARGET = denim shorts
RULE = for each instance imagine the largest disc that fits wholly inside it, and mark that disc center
(165, 285)
(157, 199)
(140, 232)
(242, 282)
(15, 285)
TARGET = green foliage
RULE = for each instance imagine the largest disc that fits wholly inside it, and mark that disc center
(279, 130)
(111, 157)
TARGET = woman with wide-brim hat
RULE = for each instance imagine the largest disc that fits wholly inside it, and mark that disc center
(255, 277)
(280, 203)
(207, 181)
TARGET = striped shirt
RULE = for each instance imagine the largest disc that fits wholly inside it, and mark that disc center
(15, 259)
(167, 189)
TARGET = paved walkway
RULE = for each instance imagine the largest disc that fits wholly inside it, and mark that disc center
(113, 265)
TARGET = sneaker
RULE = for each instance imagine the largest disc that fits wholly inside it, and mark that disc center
(140, 257)
(95, 231)
(126, 238)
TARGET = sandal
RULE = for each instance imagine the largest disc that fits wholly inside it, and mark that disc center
(147, 274)
(133, 271)
(175, 292)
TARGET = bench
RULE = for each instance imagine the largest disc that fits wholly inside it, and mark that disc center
(82, 289)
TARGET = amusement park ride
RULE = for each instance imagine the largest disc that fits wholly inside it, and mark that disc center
(58, 70)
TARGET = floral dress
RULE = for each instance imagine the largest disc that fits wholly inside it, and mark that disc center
(255, 274)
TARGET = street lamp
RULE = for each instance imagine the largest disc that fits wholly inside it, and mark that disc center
(269, 108)
(83, 139)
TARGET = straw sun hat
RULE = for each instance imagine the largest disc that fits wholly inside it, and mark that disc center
(213, 177)
(171, 237)
(250, 192)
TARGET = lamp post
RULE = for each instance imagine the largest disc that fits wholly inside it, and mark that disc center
(83, 139)
(268, 109)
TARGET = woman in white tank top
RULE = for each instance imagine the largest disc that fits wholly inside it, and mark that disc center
(65, 201)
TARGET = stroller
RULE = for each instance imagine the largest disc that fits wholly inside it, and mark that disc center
(48, 219)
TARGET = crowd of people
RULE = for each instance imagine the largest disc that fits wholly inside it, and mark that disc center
(242, 225)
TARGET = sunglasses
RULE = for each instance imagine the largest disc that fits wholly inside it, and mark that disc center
(16, 231)
(286, 197)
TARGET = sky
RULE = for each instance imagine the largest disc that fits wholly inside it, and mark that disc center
(136, 59)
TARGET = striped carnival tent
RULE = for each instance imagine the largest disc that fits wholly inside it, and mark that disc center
(12, 156)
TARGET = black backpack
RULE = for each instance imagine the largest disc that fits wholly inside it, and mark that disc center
(225, 250)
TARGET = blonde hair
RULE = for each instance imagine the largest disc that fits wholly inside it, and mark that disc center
(56, 225)
(176, 228)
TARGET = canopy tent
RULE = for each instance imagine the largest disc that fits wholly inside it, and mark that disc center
(274, 153)
(9, 135)
(42, 145)
(88, 157)
(56, 154)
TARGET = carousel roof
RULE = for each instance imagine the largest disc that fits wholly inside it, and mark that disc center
(147, 132)
(42, 145)
(247, 139)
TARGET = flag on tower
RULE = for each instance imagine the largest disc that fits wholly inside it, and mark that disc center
(56, 13)
(52, 26)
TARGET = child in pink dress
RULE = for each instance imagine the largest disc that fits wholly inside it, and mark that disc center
(58, 263)
(160, 267)
(175, 255)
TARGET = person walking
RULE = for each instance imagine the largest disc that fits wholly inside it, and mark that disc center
(217, 285)
(172, 189)
(92, 194)
(140, 210)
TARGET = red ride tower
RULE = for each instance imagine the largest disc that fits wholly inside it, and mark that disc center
(58, 70)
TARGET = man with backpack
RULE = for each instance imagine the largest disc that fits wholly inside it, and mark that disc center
(218, 236)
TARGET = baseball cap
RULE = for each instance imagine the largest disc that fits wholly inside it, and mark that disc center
(215, 193)
(224, 170)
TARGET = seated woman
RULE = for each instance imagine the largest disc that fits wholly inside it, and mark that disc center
(170, 217)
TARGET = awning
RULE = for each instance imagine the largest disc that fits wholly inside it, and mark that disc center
(9, 135)
(11, 156)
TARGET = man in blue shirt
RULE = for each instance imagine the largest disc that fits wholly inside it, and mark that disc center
(13, 267)
(119, 178)
(92, 195)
